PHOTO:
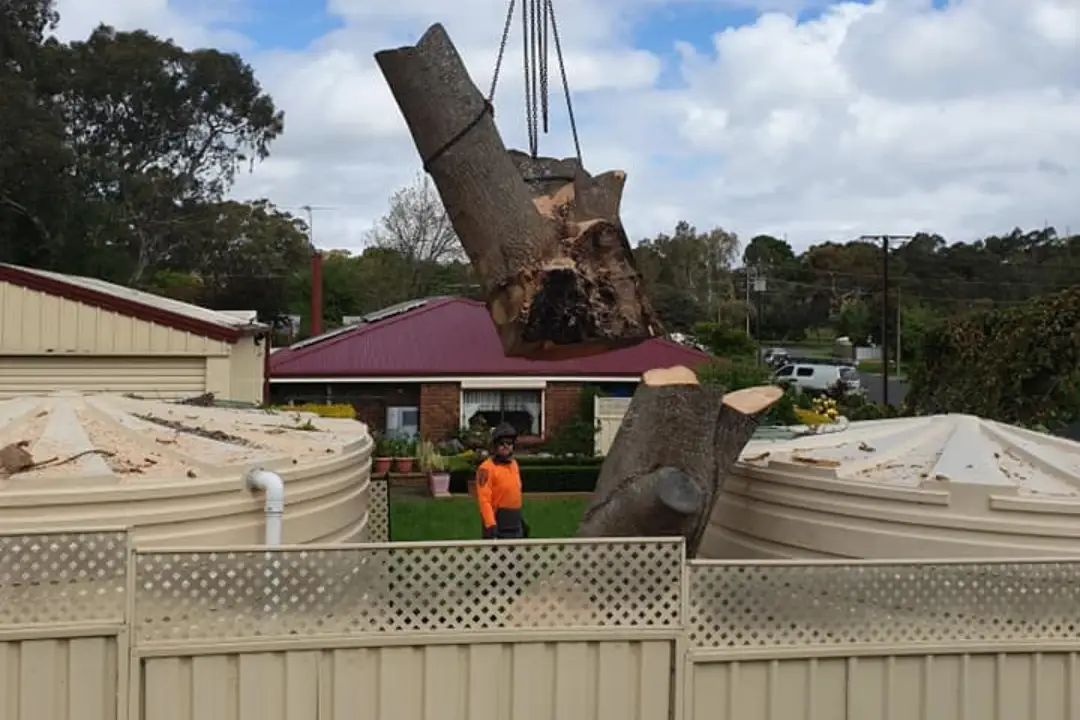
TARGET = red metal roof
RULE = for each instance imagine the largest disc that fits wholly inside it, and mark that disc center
(455, 337)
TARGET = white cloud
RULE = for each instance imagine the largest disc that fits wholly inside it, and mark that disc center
(887, 117)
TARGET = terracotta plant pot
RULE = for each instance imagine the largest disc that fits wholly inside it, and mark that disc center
(381, 465)
(403, 464)
(439, 484)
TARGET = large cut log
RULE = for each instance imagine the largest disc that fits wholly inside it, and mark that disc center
(543, 235)
(676, 445)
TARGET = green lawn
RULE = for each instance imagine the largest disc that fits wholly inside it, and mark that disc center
(428, 519)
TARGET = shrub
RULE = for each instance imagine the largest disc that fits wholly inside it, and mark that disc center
(334, 410)
(1019, 365)
(540, 478)
(734, 374)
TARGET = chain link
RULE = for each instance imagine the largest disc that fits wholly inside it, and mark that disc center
(502, 51)
(539, 28)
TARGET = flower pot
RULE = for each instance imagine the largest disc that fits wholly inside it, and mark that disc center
(439, 483)
(403, 464)
(381, 465)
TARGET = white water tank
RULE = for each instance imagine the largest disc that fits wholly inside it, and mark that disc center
(174, 473)
(945, 486)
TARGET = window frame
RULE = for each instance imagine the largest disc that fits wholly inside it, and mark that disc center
(542, 391)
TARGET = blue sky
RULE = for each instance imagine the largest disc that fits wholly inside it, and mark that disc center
(286, 24)
(777, 135)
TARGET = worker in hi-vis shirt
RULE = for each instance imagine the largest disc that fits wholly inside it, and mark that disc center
(498, 489)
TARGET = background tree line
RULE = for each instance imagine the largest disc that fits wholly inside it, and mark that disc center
(118, 154)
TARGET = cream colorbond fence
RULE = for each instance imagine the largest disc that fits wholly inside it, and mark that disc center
(531, 630)
(932, 641)
(63, 630)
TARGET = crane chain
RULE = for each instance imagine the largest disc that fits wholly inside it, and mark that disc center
(539, 30)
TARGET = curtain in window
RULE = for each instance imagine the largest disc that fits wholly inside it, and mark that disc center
(524, 401)
(476, 401)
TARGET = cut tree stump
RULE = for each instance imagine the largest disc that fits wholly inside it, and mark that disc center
(543, 235)
(676, 445)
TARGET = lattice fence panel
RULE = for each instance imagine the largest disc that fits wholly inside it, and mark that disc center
(378, 527)
(757, 606)
(369, 589)
(62, 578)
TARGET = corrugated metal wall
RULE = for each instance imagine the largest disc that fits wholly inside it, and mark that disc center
(525, 681)
(34, 323)
(150, 376)
(61, 679)
(49, 343)
(1015, 686)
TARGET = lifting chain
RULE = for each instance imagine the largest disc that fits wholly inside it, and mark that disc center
(539, 30)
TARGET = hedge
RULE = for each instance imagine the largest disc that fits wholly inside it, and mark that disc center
(1019, 365)
(540, 478)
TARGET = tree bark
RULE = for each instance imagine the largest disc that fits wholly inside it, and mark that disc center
(553, 259)
(674, 449)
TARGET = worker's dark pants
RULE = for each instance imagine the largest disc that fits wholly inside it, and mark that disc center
(509, 524)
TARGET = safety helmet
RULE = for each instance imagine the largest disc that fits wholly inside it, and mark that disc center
(505, 431)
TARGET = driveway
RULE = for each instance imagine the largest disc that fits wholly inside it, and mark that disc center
(875, 388)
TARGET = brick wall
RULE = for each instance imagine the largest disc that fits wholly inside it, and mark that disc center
(561, 403)
(440, 410)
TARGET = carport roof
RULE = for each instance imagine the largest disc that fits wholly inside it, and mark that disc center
(222, 326)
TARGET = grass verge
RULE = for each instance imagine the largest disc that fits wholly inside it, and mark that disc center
(428, 520)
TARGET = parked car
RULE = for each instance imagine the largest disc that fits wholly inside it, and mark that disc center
(777, 357)
(820, 376)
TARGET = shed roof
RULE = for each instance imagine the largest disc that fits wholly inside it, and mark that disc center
(452, 337)
(224, 326)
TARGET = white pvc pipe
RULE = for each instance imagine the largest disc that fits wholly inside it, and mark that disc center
(274, 487)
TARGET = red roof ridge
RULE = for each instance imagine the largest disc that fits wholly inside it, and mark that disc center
(364, 328)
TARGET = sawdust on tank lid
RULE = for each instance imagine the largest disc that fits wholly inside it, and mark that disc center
(909, 452)
(71, 436)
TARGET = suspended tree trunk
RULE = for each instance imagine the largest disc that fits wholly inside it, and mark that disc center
(676, 445)
(554, 262)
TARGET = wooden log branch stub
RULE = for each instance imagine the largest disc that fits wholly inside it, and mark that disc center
(551, 254)
(676, 435)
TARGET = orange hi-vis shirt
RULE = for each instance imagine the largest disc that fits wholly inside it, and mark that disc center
(498, 487)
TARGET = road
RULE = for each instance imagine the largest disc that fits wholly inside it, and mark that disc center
(875, 388)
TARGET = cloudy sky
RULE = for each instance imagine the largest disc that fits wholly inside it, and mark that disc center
(802, 118)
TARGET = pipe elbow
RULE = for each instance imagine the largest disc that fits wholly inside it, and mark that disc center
(269, 483)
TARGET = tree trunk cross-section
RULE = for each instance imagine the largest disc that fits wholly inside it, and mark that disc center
(543, 235)
(676, 445)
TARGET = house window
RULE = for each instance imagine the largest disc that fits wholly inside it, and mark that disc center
(402, 422)
(521, 408)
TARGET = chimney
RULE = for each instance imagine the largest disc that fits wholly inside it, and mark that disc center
(316, 293)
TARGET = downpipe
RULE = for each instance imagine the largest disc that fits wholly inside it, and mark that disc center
(273, 486)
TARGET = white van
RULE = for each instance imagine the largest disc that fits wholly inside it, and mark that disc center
(817, 377)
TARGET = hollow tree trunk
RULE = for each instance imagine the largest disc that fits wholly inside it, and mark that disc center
(554, 262)
(676, 445)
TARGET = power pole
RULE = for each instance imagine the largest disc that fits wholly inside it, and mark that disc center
(746, 279)
(898, 317)
(885, 239)
(760, 286)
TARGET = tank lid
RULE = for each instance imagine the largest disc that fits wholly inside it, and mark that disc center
(75, 438)
(930, 452)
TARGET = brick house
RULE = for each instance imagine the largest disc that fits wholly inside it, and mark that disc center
(429, 367)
